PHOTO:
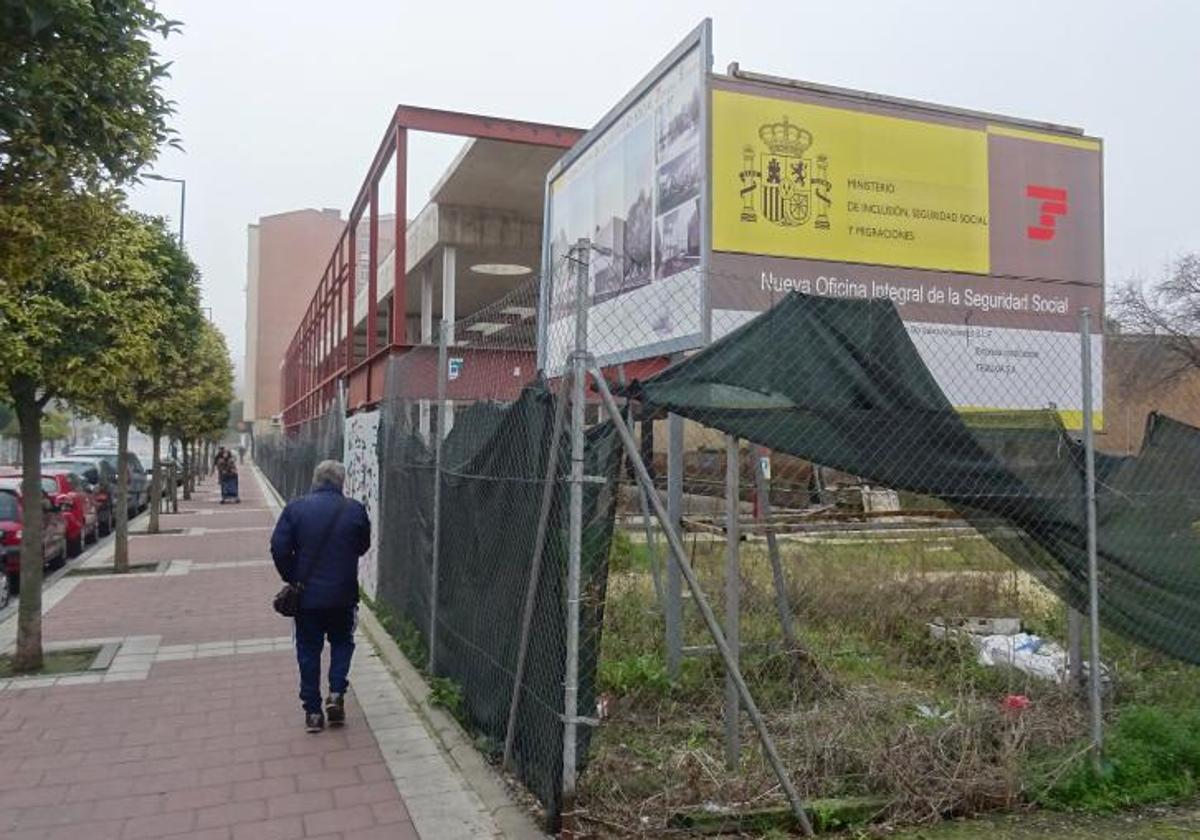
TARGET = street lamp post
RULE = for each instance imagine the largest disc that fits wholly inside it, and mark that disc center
(182, 197)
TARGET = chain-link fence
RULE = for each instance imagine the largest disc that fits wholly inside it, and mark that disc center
(288, 460)
(473, 542)
(875, 589)
(894, 521)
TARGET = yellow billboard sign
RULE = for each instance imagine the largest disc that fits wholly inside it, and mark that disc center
(793, 179)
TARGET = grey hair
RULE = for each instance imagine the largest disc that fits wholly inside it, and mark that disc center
(329, 472)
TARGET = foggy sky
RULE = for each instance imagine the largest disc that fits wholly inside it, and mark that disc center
(281, 103)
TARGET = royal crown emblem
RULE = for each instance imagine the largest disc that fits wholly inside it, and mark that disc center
(783, 138)
(782, 183)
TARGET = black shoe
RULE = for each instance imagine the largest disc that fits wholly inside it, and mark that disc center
(314, 722)
(335, 709)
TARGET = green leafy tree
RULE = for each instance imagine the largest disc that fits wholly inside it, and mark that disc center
(81, 113)
(81, 100)
(159, 389)
(56, 428)
(206, 400)
(143, 361)
(56, 328)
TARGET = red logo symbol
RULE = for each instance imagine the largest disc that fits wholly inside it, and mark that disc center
(1053, 204)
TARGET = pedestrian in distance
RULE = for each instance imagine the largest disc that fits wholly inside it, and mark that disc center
(227, 473)
(241, 453)
(316, 545)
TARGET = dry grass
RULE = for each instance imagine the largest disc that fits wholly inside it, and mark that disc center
(846, 711)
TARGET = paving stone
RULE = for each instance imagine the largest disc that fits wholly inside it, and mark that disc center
(193, 729)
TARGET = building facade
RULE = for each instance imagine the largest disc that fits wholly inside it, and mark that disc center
(284, 258)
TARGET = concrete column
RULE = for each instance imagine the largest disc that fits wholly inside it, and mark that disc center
(427, 306)
(424, 421)
(449, 289)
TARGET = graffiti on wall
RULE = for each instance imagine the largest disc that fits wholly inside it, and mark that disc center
(362, 483)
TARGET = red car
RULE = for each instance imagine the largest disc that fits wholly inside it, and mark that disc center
(54, 536)
(78, 506)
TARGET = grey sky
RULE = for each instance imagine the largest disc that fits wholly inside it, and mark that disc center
(282, 102)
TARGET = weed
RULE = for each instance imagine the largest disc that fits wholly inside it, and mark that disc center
(408, 638)
(625, 555)
(642, 674)
(1151, 756)
(447, 694)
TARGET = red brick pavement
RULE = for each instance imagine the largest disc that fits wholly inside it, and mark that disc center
(238, 516)
(204, 748)
(247, 543)
(204, 606)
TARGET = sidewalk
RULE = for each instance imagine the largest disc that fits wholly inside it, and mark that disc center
(192, 728)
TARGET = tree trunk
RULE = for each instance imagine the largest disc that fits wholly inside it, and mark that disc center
(155, 480)
(28, 656)
(121, 541)
(173, 477)
(187, 469)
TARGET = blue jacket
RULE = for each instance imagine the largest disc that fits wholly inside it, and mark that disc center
(333, 582)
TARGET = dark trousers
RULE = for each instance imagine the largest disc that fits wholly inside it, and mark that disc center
(312, 628)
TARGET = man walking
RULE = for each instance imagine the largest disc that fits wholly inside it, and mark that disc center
(316, 544)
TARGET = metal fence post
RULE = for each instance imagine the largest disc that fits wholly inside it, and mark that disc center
(733, 600)
(1089, 448)
(674, 611)
(549, 489)
(579, 263)
(679, 556)
(443, 360)
(763, 491)
(1074, 648)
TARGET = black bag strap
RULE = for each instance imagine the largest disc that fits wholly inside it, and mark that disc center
(343, 504)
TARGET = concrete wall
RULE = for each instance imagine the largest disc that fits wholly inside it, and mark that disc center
(287, 255)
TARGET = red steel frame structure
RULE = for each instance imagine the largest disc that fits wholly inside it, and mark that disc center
(318, 357)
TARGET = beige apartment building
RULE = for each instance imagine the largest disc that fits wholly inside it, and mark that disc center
(286, 253)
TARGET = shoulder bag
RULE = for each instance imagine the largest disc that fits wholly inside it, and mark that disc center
(287, 600)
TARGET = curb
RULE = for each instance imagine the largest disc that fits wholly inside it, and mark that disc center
(455, 743)
(101, 550)
(512, 820)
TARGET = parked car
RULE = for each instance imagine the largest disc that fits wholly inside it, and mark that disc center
(138, 478)
(100, 477)
(12, 518)
(76, 503)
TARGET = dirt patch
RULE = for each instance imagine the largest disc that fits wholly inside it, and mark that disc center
(1152, 824)
(55, 662)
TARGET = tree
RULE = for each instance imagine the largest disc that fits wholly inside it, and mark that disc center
(56, 428)
(81, 113)
(81, 102)
(90, 254)
(206, 399)
(159, 390)
(1168, 309)
(147, 350)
